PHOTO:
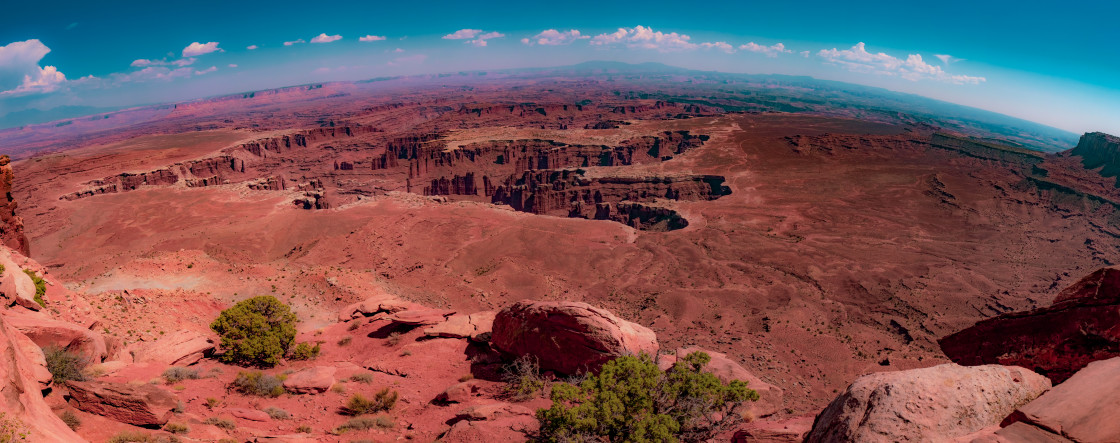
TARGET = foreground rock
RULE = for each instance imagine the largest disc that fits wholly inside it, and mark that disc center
(1085, 408)
(140, 405)
(930, 404)
(311, 380)
(422, 317)
(1081, 326)
(17, 286)
(770, 396)
(765, 431)
(180, 348)
(375, 304)
(21, 383)
(568, 337)
(475, 326)
(45, 331)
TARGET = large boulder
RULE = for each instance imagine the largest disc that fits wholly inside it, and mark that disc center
(769, 396)
(180, 348)
(929, 404)
(46, 331)
(568, 337)
(475, 326)
(140, 405)
(420, 317)
(17, 286)
(1085, 408)
(1081, 326)
(311, 380)
(21, 383)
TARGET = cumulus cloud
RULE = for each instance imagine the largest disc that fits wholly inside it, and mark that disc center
(552, 37)
(913, 68)
(233, 65)
(645, 38)
(206, 71)
(324, 38)
(722, 46)
(154, 73)
(293, 42)
(371, 38)
(252, 47)
(770, 51)
(140, 63)
(948, 59)
(805, 54)
(196, 49)
(20, 72)
(462, 34)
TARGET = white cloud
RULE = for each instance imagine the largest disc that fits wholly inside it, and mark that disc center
(20, 72)
(462, 34)
(206, 71)
(154, 73)
(371, 38)
(324, 38)
(233, 65)
(770, 51)
(398, 50)
(140, 63)
(914, 68)
(196, 49)
(645, 38)
(293, 42)
(948, 59)
(805, 54)
(552, 37)
(252, 47)
(722, 46)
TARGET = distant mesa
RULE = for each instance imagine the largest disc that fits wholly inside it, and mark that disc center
(1099, 150)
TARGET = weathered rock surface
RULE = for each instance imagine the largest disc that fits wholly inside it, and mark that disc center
(11, 225)
(36, 359)
(45, 331)
(1081, 326)
(422, 317)
(1085, 408)
(476, 326)
(140, 405)
(375, 304)
(249, 414)
(568, 337)
(930, 404)
(770, 396)
(17, 286)
(766, 431)
(180, 348)
(459, 392)
(21, 383)
(311, 380)
(1099, 150)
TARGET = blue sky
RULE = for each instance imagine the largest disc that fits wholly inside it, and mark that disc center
(1057, 64)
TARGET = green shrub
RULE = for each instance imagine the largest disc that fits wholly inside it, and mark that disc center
(64, 365)
(176, 428)
(258, 383)
(12, 429)
(177, 374)
(381, 421)
(70, 419)
(523, 378)
(277, 413)
(305, 351)
(256, 332)
(358, 404)
(345, 341)
(631, 400)
(40, 287)
(362, 377)
(223, 423)
(303, 429)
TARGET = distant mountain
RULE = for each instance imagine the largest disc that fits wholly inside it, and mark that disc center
(36, 116)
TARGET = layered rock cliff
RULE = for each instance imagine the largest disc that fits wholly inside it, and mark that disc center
(11, 225)
(1099, 150)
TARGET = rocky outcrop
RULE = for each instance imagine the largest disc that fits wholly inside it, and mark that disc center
(931, 404)
(476, 326)
(491, 422)
(16, 285)
(11, 225)
(1099, 150)
(1085, 408)
(376, 304)
(198, 173)
(314, 380)
(180, 348)
(141, 405)
(420, 317)
(1081, 326)
(987, 150)
(770, 397)
(22, 377)
(568, 337)
(45, 331)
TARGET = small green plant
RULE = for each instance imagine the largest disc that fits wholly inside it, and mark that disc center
(212, 402)
(12, 429)
(631, 400)
(256, 332)
(362, 377)
(40, 287)
(223, 423)
(305, 351)
(523, 378)
(303, 429)
(176, 428)
(358, 404)
(345, 340)
(177, 374)
(64, 365)
(277, 413)
(70, 419)
(258, 383)
(381, 421)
